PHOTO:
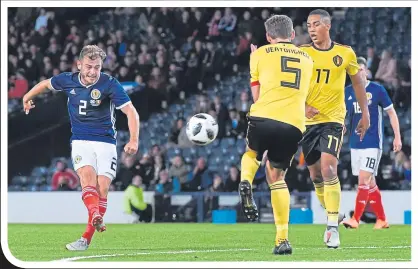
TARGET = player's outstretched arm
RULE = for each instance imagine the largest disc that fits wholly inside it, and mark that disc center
(39, 88)
(358, 84)
(133, 123)
(394, 122)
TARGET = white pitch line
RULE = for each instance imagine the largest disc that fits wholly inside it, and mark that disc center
(227, 250)
(150, 253)
(370, 247)
(364, 260)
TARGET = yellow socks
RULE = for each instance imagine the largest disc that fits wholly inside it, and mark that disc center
(249, 166)
(332, 198)
(319, 190)
(280, 201)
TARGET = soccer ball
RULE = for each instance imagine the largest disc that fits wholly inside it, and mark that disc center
(202, 129)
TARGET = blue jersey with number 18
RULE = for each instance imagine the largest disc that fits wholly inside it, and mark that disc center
(92, 108)
(378, 100)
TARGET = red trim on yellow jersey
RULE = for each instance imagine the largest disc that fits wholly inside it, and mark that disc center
(255, 83)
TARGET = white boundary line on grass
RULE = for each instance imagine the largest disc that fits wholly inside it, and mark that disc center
(150, 253)
(227, 250)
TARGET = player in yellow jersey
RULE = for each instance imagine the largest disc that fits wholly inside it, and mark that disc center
(325, 112)
(280, 77)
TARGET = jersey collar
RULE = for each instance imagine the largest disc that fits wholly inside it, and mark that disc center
(328, 49)
(82, 84)
(367, 84)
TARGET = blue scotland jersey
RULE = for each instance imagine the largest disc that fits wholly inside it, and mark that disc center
(92, 108)
(378, 100)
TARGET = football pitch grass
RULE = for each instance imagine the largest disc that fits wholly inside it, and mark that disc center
(206, 242)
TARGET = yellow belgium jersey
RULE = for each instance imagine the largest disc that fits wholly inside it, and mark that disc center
(283, 72)
(328, 81)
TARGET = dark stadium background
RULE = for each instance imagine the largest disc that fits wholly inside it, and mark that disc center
(186, 86)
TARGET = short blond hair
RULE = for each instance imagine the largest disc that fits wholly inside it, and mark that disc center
(92, 52)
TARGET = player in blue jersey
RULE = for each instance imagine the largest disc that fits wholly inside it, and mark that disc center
(92, 99)
(365, 155)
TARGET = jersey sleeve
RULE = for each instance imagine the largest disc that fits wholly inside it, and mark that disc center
(254, 69)
(58, 82)
(352, 67)
(118, 95)
(384, 99)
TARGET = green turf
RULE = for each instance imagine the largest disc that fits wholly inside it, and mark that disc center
(208, 242)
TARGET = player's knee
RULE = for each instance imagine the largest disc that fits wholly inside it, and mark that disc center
(316, 176)
(328, 171)
(103, 184)
(87, 175)
(365, 179)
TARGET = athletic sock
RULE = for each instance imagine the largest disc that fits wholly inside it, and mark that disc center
(361, 201)
(249, 166)
(280, 201)
(375, 200)
(332, 199)
(319, 190)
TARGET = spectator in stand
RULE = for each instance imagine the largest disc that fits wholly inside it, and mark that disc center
(372, 61)
(145, 168)
(42, 20)
(178, 170)
(21, 85)
(175, 132)
(213, 32)
(301, 37)
(125, 172)
(64, 178)
(235, 127)
(159, 166)
(221, 115)
(227, 23)
(243, 104)
(386, 72)
(166, 184)
(199, 178)
(243, 48)
(233, 179)
(246, 24)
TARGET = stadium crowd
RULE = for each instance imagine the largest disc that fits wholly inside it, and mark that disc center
(176, 53)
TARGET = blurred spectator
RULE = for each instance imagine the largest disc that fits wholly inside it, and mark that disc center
(64, 178)
(146, 169)
(227, 23)
(178, 170)
(20, 85)
(213, 25)
(233, 179)
(387, 69)
(166, 184)
(221, 115)
(134, 205)
(183, 140)
(372, 61)
(42, 20)
(126, 171)
(199, 178)
(301, 37)
(236, 127)
(243, 104)
(159, 166)
(175, 131)
(246, 24)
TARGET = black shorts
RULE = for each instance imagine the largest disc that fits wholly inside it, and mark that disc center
(323, 137)
(279, 138)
